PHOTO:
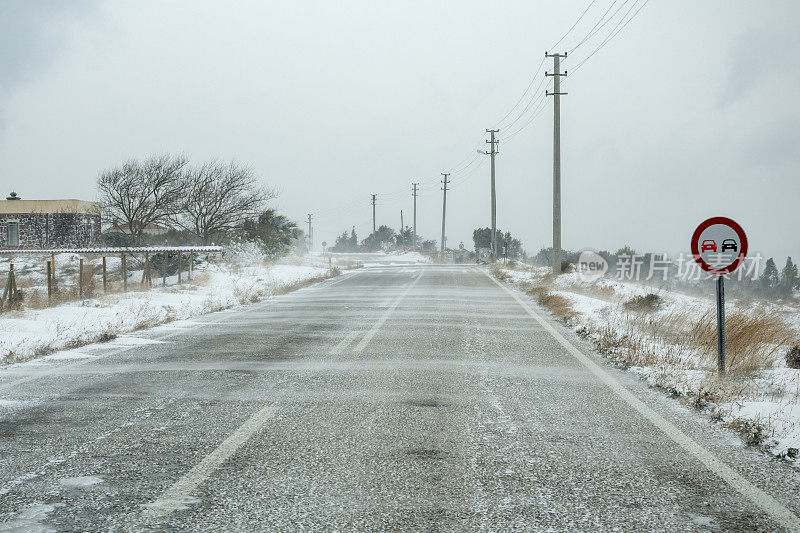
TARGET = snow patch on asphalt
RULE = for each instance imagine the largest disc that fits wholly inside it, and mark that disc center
(12, 404)
(80, 482)
(30, 519)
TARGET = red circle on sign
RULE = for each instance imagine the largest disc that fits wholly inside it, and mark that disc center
(696, 245)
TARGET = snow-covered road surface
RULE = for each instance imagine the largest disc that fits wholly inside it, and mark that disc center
(406, 397)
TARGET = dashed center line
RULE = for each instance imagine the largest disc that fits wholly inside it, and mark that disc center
(178, 494)
(344, 343)
(371, 333)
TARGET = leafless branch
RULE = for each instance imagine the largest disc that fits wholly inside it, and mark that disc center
(219, 197)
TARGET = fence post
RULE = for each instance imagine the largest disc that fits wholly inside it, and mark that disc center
(80, 279)
(147, 268)
(9, 294)
(180, 258)
(124, 273)
(49, 280)
(164, 269)
(104, 274)
(191, 264)
(53, 262)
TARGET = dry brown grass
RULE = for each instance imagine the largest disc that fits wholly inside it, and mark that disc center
(499, 273)
(22, 282)
(559, 306)
(647, 303)
(752, 342)
(603, 292)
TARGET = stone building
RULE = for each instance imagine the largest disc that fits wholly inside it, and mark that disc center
(31, 224)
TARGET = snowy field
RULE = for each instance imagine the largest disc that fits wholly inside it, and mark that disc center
(218, 284)
(670, 340)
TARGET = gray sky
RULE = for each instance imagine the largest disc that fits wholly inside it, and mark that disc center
(691, 111)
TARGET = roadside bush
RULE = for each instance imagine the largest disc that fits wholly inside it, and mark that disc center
(555, 303)
(751, 340)
(499, 273)
(793, 357)
(648, 302)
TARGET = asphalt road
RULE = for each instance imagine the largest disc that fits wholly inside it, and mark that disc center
(391, 398)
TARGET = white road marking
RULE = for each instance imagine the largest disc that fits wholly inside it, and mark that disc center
(371, 333)
(784, 516)
(178, 494)
(344, 343)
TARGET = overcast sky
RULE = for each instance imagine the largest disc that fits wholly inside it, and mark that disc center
(691, 111)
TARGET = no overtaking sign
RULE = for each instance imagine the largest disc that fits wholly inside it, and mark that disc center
(719, 246)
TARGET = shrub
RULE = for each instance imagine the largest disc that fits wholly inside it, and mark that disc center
(499, 273)
(793, 357)
(648, 302)
(555, 303)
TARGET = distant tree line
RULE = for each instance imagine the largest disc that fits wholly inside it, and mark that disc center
(769, 283)
(210, 202)
(382, 238)
(482, 239)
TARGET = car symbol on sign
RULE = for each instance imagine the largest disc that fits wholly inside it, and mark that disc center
(708, 246)
(730, 244)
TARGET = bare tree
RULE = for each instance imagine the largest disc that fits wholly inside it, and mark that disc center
(145, 192)
(219, 197)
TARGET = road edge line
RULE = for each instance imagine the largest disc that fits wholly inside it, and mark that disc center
(777, 511)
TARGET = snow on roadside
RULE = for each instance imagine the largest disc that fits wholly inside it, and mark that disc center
(764, 406)
(32, 332)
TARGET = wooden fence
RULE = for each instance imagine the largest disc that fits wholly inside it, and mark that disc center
(12, 296)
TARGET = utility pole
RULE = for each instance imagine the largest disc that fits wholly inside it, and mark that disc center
(402, 235)
(414, 194)
(310, 234)
(492, 152)
(556, 94)
(374, 197)
(444, 212)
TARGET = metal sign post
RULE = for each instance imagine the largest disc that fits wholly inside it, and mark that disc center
(721, 324)
(719, 245)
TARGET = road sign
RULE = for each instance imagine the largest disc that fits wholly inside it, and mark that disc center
(719, 245)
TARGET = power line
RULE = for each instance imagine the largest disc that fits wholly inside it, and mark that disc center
(533, 79)
(613, 33)
(595, 28)
(499, 124)
(573, 26)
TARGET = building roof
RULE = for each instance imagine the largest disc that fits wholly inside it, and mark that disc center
(19, 207)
